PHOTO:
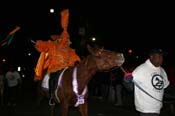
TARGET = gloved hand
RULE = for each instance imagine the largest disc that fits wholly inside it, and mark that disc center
(128, 77)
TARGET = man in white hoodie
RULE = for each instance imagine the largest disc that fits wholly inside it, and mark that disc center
(153, 79)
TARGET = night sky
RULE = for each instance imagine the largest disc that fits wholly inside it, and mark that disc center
(140, 25)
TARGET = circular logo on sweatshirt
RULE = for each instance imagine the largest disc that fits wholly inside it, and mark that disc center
(157, 82)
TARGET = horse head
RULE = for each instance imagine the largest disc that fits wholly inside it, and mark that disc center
(106, 59)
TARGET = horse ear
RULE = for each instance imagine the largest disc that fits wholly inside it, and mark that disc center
(95, 51)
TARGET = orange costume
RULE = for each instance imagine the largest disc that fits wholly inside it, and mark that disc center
(60, 55)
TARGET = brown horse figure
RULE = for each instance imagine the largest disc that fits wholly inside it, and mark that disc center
(73, 81)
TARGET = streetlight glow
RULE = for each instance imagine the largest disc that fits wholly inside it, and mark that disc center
(93, 39)
(51, 10)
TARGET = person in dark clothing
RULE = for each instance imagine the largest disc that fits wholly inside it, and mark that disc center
(116, 78)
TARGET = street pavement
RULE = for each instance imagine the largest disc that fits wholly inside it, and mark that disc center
(26, 106)
(97, 107)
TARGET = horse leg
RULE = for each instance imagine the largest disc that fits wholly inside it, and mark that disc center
(83, 108)
(64, 109)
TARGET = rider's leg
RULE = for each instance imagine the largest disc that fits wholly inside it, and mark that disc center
(52, 80)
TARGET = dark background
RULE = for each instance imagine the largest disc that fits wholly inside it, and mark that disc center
(139, 26)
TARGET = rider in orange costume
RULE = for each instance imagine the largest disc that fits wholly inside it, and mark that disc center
(60, 55)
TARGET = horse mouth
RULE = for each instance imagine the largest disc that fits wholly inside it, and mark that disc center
(120, 60)
(119, 63)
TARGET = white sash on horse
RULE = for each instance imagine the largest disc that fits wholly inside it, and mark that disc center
(80, 98)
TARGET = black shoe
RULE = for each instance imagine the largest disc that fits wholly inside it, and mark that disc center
(52, 101)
